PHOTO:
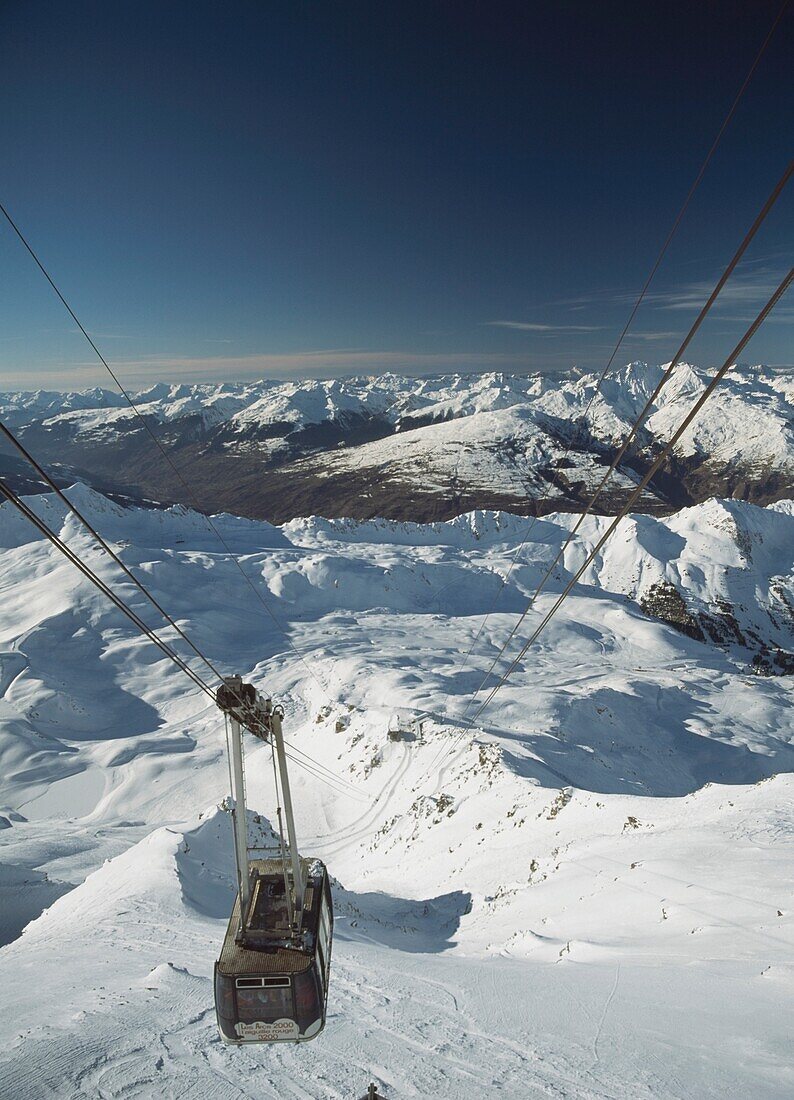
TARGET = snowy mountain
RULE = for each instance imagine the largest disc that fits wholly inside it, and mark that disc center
(419, 448)
(587, 894)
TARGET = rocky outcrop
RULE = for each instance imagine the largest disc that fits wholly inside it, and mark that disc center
(664, 601)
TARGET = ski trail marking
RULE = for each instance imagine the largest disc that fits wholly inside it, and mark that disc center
(600, 1027)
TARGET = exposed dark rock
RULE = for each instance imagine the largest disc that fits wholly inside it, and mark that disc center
(721, 626)
(772, 662)
(718, 625)
(664, 601)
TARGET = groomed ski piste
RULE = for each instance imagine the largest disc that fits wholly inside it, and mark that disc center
(586, 894)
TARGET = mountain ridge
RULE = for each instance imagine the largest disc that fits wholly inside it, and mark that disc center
(420, 448)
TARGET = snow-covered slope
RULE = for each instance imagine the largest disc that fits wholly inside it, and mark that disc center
(421, 447)
(26, 406)
(586, 895)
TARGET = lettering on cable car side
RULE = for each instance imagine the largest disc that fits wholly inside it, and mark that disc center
(268, 1032)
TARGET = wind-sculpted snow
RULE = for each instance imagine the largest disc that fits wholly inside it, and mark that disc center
(585, 894)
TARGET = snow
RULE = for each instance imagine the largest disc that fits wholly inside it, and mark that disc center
(587, 895)
(23, 406)
(480, 430)
(477, 452)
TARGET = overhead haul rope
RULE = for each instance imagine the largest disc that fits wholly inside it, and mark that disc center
(314, 768)
(138, 584)
(468, 724)
(9, 435)
(640, 298)
(128, 611)
(102, 542)
(192, 494)
(28, 512)
(164, 453)
(663, 455)
(762, 215)
(336, 782)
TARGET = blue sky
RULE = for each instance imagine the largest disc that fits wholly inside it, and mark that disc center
(240, 190)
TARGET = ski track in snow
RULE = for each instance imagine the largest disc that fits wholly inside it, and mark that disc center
(587, 897)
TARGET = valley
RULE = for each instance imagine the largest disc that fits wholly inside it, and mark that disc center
(421, 449)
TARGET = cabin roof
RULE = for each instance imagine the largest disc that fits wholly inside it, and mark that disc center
(237, 960)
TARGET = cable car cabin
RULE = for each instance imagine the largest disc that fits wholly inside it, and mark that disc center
(271, 985)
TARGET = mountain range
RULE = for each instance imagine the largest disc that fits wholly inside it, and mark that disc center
(419, 449)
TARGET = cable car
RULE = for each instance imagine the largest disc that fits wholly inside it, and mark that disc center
(268, 988)
(271, 980)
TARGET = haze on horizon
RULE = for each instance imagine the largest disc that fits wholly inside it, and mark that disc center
(300, 191)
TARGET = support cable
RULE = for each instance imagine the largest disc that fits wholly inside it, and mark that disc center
(20, 505)
(630, 321)
(321, 768)
(282, 845)
(783, 286)
(762, 215)
(9, 435)
(163, 452)
(234, 811)
(660, 459)
(331, 779)
(315, 768)
(138, 584)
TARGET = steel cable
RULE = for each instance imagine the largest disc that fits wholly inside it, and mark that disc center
(163, 452)
(660, 459)
(729, 362)
(640, 298)
(667, 375)
(316, 768)
(50, 535)
(9, 435)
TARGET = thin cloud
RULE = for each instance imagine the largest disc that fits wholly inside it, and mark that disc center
(742, 292)
(744, 288)
(650, 336)
(751, 284)
(321, 363)
(551, 330)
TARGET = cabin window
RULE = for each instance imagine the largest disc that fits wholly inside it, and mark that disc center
(324, 942)
(307, 1001)
(224, 995)
(264, 1002)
